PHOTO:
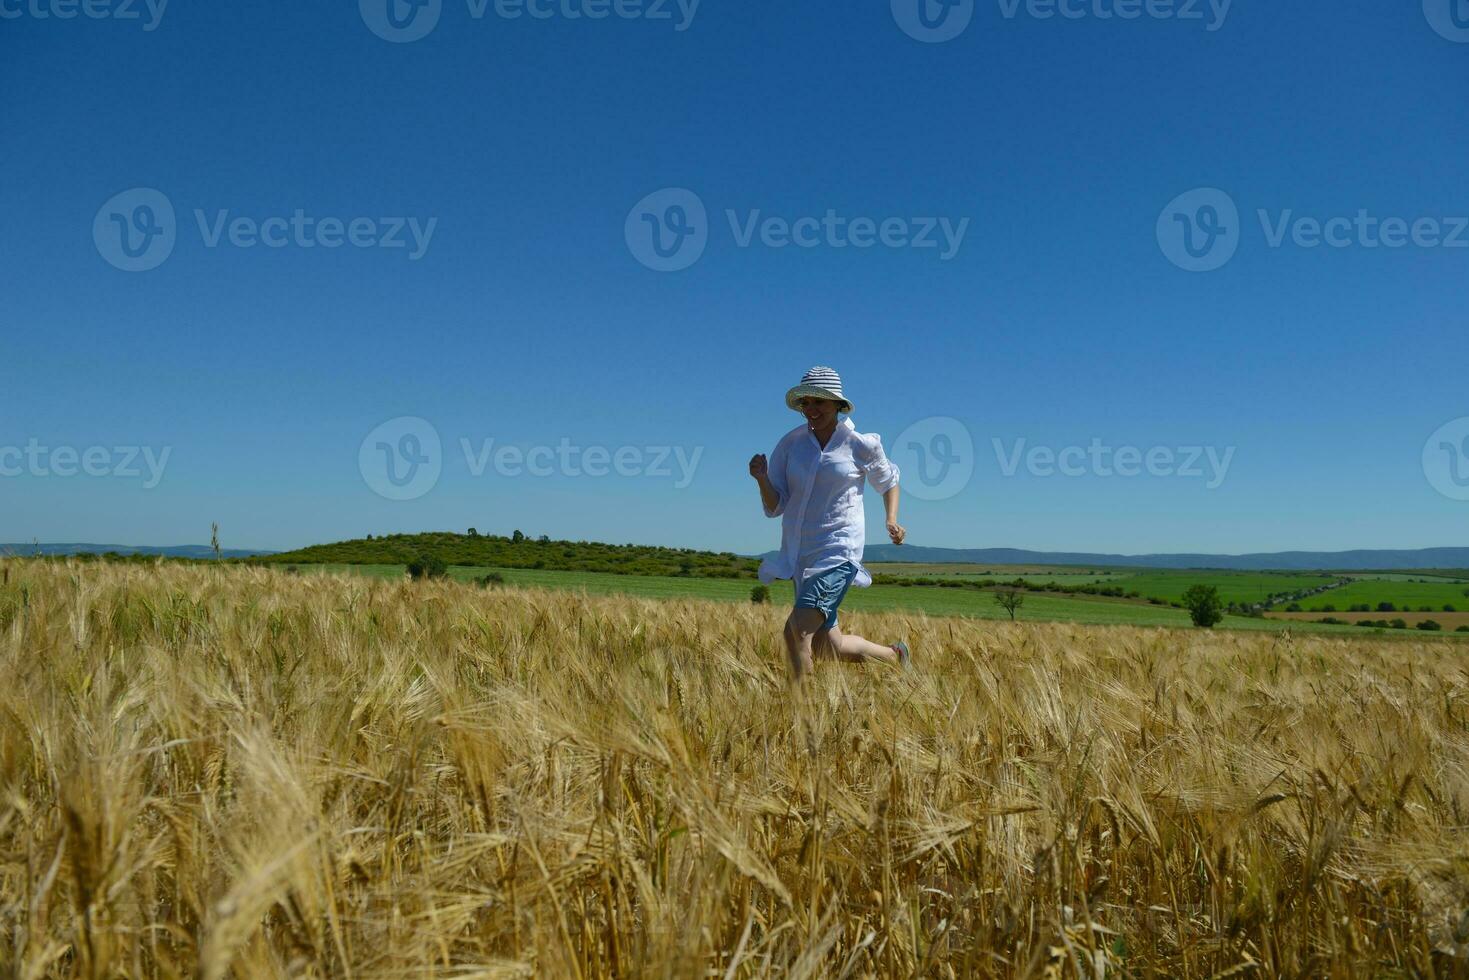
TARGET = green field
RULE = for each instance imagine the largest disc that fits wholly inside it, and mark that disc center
(1166, 584)
(971, 570)
(1404, 595)
(1034, 578)
(1408, 577)
(1405, 574)
(879, 598)
(1241, 587)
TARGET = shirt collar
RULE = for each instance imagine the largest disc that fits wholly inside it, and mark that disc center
(843, 427)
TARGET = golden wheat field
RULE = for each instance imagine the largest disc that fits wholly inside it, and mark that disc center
(232, 772)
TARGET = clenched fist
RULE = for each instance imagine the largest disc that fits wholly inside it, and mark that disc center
(759, 468)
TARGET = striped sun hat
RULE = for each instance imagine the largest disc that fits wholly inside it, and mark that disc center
(819, 382)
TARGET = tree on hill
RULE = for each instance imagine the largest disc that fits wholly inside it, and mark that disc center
(474, 532)
(1204, 606)
(517, 537)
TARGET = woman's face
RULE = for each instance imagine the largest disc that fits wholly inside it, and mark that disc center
(820, 413)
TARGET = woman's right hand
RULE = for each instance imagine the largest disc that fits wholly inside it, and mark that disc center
(759, 468)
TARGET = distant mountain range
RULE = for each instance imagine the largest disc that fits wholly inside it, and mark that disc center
(1362, 560)
(173, 551)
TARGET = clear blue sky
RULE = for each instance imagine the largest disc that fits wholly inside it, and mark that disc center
(528, 319)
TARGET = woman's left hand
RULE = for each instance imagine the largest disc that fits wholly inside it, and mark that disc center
(896, 532)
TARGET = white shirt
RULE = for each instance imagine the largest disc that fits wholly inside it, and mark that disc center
(821, 500)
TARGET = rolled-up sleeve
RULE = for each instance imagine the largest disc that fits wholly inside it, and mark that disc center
(776, 470)
(882, 473)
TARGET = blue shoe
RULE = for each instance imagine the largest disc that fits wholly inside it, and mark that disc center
(905, 658)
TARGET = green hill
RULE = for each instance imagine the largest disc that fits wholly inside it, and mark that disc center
(521, 552)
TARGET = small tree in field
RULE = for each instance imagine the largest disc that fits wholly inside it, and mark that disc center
(1203, 605)
(1010, 600)
(428, 566)
(760, 595)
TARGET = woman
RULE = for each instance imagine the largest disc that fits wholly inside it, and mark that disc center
(813, 481)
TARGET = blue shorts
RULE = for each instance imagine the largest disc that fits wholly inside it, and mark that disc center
(824, 591)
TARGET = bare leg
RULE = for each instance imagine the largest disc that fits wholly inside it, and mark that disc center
(801, 628)
(851, 649)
